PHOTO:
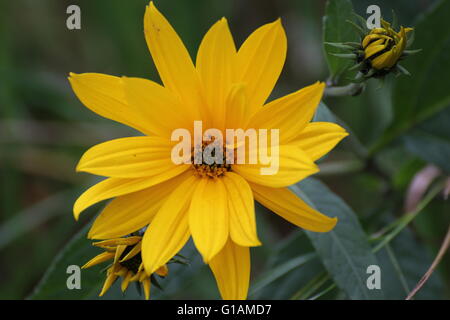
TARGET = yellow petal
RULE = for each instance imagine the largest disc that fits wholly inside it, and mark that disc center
(241, 210)
(162, 271)
(236, 107)
(169, 230)
(171, 58)
(133, 252)
(378, 42)
(294, 165)
(114, 187)
(126, 281)
(260, 60)
(136, 276)
(132, 157)
(122, 271)
(289, 114)
(110, 279)
(406, 30)
(319, 138)
(383, 61)
(285, 203)
(208, 217)
(104, 95)
(127, 241)
(369, 38)
(231, 268)
(131, 212)
(159, 105)
(401, 45)
(146, 285)
(120, 249)
(373, 49)
(102, 257)
(381, 37)
(142, 276)
(215, 64)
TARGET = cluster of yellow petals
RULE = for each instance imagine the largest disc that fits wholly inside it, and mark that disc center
(227, 87)
(125, 254)
(384, 47)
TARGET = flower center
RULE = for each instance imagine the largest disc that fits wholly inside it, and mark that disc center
(212, 165)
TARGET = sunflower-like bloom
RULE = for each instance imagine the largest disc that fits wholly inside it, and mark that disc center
(127, 263)
(383, 47)
(225, 89)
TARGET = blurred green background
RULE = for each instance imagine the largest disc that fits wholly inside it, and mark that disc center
(44, 129)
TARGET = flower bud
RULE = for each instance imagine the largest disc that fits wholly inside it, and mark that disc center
(379, 51)
(383, 47)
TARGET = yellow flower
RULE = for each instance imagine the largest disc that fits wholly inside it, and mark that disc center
(127, 263)
(383, 47)
(226, 88)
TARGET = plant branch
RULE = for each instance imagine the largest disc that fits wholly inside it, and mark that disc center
(351, 89)
(444, 247)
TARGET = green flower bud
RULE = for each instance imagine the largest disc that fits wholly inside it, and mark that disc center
(379, 51)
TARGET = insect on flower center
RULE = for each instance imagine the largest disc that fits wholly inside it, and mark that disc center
(210, 167)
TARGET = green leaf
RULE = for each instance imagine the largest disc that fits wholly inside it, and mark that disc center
(344, 251)
(425, 93)
(431, 140)
(292, 264)
(54, 282)
(337, 29)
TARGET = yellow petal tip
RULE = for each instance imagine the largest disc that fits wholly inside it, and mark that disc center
(76, 210)
(278, 22)
(333, 222)
(152, 6)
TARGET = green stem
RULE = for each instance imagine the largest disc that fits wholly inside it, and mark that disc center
(323, 292)
(397, 268)
(281, 270)
(311, 287)
(351, 89)
(406, 219)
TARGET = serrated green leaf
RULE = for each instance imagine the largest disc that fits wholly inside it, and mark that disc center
(344, 251)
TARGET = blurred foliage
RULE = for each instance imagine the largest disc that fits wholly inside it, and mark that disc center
(44, 130)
